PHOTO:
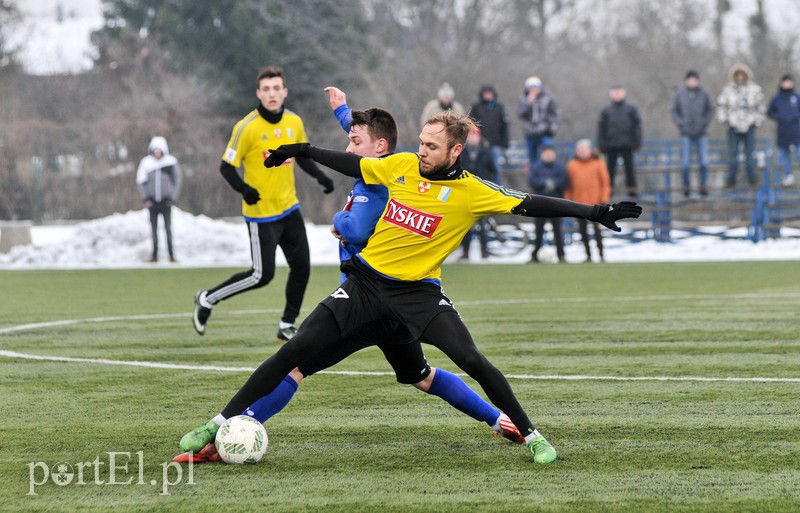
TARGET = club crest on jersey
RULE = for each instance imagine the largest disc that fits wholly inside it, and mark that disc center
(278, 132)
(411, 219)
(424, 187)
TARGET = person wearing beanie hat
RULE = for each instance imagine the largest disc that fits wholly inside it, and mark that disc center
(540, 115)
(159, 181)
(493, 120)
(784, 109)
(741, 108)
(692, 112)
(443, 102)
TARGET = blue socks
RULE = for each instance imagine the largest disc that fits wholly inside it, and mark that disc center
(273, 402)
(452, 389)
(445, 384)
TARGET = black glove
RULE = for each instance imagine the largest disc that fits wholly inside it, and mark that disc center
(286, 151)
(608, 215)
(250, 195)
(326, 183)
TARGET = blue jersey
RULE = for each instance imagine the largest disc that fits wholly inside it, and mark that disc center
(364, 207)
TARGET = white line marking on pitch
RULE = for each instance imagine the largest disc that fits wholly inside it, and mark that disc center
(788, 295)
(158, 365)
(175, 366)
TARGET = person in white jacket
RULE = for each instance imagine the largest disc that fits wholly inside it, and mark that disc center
(159, 182)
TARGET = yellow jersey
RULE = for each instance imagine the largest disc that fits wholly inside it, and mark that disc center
(252, 138)
(424, 221)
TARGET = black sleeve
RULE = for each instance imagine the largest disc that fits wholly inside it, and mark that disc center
(309, 166)
(232, 176)
(346, 163)
(544, 206)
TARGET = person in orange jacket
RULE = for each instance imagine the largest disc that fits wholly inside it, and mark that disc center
(588, 183)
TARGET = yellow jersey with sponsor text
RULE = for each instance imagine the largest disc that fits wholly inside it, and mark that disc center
(252, 138)
(425, 220)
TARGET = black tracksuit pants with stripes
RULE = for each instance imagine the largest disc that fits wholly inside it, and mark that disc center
(290, 234)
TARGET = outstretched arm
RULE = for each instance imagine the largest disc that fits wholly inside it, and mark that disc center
(544, 206)
(346, 163)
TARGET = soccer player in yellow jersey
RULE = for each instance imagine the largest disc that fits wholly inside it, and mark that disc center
(432, 203)
(269, 202)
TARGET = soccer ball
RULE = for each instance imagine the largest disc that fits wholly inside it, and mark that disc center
(241, 439)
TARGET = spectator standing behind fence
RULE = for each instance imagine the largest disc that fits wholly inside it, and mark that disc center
(540, 115)
(159, 181)
(741, 107)
(692, 112)
(444, 101)
(548, 177)
(477, 158)
(588, 183)
(784, 108)
(619, 134)
(493, 120)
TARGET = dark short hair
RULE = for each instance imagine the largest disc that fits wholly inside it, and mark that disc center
(692, 74)
(380, 124)
(270, 72)
(456, 126)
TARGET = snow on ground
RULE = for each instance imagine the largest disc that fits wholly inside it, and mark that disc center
(122, 240)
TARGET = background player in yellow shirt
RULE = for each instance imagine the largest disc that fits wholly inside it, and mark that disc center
(269, 202)
(433, 202)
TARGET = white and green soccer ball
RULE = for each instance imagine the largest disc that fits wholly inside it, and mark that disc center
(241, 439)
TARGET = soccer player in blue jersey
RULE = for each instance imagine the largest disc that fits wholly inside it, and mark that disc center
(372, 133)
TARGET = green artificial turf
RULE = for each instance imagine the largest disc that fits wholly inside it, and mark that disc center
(564, 334)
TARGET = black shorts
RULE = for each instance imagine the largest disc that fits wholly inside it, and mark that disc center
(366, 297)
(402, 351)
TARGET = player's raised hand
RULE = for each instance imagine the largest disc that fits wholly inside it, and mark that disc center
(336, 96)
(285, 151)
(608, 215)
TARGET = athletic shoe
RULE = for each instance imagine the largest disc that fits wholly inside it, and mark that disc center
(509, 430)
(542, 451)
(199, 437)
(285, 334)
(207, 454)
(201, 314)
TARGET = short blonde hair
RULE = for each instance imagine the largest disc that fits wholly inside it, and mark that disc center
(456, 126)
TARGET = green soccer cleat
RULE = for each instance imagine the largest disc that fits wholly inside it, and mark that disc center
(196, 439)
(542, 451)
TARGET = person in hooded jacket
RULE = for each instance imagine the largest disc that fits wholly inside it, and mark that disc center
(784, 108)
(493, 120)
(159, 181)
(741, 108)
